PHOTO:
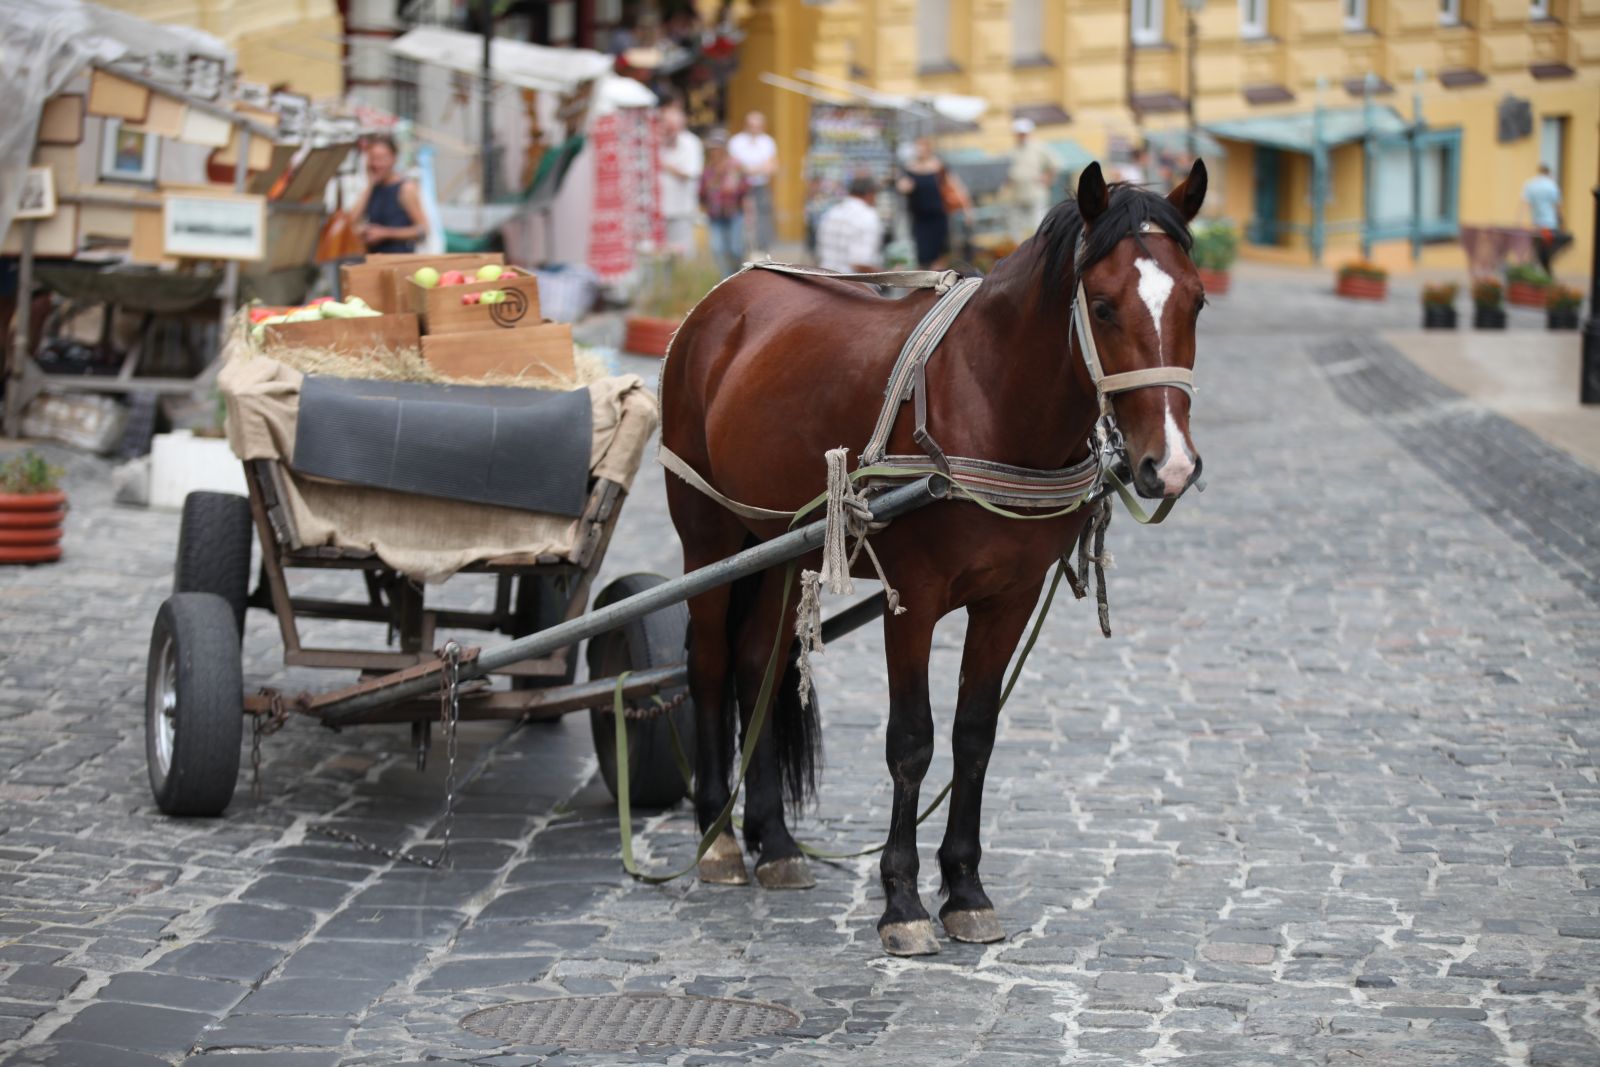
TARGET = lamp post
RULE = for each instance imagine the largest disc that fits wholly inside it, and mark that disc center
(1191, 9)
(1589, 386)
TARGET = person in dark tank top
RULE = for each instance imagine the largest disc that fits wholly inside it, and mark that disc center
(389, 214)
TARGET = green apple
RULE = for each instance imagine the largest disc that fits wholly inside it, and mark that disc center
(493, 296)
(490, 272)
(426, 277)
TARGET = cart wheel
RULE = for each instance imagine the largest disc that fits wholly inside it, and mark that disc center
(653, 641)
(541, 604)
(214, 549)
(193, 705)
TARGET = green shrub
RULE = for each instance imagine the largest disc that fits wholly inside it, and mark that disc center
(1442, 295)
(1488, 293)
(674, 286)
(1216, 245)
(1527, 274)
(29, 474)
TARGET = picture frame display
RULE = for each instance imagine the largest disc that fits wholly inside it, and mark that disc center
(128, 155)
(38, 194)
(214, 226)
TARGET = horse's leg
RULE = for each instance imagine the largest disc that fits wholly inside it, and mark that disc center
(779, 863)
(708, 535)
(993, 628)
(905, 927)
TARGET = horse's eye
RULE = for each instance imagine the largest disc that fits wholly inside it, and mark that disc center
(1103, 311)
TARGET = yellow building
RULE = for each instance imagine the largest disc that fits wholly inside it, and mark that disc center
(298, 44)
(1286, 90)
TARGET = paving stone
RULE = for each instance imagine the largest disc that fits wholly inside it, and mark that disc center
(374, 961)
(220, 959)
(136, 1027)
(269, 1031)
(312, 996)
(173, 991)
(249, 922)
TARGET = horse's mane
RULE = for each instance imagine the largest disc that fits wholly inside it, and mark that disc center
(1129, 206)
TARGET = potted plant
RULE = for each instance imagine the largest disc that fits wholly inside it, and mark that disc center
(1488, 305)
(1561, 305)
(1526, 284)
(675, 286)
(1216, 247)
(1363, 280)
(1439, 306)
(32, 509)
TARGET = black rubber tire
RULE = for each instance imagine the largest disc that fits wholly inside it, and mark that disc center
(541, 604)
(194, 632)
(214, 549)
(653, 641)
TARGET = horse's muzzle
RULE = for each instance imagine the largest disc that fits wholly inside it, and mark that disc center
(1169, 478)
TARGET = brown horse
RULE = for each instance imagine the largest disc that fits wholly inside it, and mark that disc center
(770, 371)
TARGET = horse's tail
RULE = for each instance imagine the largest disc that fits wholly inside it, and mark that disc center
(796, 730)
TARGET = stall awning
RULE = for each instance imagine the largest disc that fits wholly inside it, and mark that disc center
(1070, 156)
(1177, 140)
(528, 66)
(1298, 132)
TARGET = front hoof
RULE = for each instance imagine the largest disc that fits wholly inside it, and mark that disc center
(978, 926)
(791, 872)
(909, 939)
(723, 863)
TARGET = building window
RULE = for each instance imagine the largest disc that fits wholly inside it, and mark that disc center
(933, 33)
(1355, 15)
(1147, 21)
(1553, 144)
(1027, 29)
(1432, 202)
(1449, 12)
(1253, 18)
(1538, 9)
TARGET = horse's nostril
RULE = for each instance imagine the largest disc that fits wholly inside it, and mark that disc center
(1148, 479)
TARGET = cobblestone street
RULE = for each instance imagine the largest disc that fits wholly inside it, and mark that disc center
(1328, 796)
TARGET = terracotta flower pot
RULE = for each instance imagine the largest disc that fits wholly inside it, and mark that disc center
(1358, 287)
(1216, 282)
(30, 526)
(1525, 294)
(649, 336)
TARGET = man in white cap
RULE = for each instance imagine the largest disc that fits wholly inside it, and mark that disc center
(1028, 183)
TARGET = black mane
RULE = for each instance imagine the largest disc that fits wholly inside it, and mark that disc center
(1129, 206)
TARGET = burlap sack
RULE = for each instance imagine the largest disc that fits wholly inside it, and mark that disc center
(422, 537)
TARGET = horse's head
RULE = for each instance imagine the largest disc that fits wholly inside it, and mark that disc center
(1142, 297)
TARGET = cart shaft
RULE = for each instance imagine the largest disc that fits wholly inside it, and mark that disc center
(781, 549)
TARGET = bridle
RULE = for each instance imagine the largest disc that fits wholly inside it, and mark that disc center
(1108, 438)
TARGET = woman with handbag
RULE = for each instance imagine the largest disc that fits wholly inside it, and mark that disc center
(932, 194)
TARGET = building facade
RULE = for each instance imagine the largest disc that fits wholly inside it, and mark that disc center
(1327, 124)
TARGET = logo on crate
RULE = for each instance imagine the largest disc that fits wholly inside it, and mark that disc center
(510, 309)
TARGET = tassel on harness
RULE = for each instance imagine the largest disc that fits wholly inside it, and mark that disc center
(1093, 532)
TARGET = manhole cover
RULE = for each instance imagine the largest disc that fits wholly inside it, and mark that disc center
(629, 1020)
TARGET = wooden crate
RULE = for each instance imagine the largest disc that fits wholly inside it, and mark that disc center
(350, 337)
(542, 352)
(377, 280)
(440, 309)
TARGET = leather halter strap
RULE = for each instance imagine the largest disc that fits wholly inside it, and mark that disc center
(1108, 385)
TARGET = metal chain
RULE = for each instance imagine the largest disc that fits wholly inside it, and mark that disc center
(450, 717)
(653, 710)
(261, 725)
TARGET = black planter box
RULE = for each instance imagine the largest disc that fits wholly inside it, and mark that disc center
(1489, 318)
(1438, 318)
(1566, 319)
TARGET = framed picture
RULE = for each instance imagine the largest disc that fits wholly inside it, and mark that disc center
(127, 155)
(38, 194)
(214, 226)
(61, 122)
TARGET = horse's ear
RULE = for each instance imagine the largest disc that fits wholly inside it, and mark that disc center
(1191, 192)
(1093, 196)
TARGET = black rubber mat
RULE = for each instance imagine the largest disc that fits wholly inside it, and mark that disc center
(518, 448)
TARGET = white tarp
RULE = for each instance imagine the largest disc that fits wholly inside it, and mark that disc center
(44, 44)
(528, 66)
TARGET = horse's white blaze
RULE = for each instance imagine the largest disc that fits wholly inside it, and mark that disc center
(1155, 285)
(1177, 465)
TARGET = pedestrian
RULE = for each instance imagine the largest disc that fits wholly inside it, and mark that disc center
(1137, 170)
(850, 233)
(1031, 176)
(757, 153)
(723, 190)
(389, 216)
(925, 184)
(1541, 197)
(682, 160)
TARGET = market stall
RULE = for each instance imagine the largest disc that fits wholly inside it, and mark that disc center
(140, 181)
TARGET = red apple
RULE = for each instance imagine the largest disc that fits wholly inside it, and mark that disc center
(471, 298)
(452, 277)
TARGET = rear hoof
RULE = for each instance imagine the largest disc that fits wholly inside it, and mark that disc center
(978, 926)
(789, 873)
(723, 863)
(909, 939)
